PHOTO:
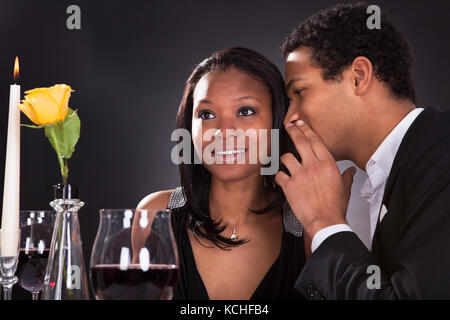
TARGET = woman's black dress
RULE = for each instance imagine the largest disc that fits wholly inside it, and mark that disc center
(278, 283)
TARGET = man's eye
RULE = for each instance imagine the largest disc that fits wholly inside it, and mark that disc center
(205, 115)
(298, 92)
(247, 111)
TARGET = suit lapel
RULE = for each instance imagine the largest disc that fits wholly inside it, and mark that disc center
(406, 146)
(375, 240)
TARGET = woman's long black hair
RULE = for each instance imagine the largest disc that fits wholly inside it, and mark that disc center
(195, 178)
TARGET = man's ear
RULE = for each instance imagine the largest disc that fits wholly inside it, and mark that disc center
(361, 72)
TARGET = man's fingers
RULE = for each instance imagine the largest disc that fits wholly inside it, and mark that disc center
(347, 179)
(281, 178)
(290, 162)
(301, 143)
(316, 143)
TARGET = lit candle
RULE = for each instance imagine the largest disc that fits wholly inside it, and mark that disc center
(10, 213)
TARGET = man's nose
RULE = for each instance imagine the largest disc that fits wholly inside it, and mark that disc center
(292, 115)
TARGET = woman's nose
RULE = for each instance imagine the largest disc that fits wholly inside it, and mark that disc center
(226, 127)
(226, 132)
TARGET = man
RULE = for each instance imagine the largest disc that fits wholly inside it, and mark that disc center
(352, 97)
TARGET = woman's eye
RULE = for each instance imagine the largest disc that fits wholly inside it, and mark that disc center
(298, 92)
(244, 112)
(205, 115)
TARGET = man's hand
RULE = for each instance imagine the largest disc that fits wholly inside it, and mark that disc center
(315, 189)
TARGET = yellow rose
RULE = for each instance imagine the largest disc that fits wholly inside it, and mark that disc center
(46, 105)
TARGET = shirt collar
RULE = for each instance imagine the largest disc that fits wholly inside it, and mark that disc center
(380, 163)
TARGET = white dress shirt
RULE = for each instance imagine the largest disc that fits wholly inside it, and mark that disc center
(378, 168)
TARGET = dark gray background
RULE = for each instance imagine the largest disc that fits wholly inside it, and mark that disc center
(128, 65)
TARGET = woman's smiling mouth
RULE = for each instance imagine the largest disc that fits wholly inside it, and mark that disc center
(227, 152)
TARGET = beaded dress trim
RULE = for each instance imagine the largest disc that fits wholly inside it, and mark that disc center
(290, 221)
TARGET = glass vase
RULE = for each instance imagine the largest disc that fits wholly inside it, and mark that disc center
(65, 277)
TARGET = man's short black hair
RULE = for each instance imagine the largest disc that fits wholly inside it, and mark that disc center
(338, 35)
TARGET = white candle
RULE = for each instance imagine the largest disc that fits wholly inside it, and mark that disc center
(10, 213)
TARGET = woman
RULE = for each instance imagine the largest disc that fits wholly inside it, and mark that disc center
(236, 235)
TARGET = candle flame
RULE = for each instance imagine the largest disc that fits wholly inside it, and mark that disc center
(16, 70)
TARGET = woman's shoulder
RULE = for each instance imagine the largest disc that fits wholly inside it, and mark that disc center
(168, 199)
(173, 198)
(156, 200)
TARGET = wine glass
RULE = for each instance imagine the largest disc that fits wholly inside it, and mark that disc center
(36, 236)
(9, 256)
(135, 256)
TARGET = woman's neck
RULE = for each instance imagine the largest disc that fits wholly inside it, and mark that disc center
(229, 200)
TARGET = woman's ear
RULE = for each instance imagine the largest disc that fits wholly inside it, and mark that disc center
(361, 71)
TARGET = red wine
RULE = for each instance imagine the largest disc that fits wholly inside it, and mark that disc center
(112, 283)
(31, 269)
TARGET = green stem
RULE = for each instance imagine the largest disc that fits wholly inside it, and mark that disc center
(64, 164)
(65, 170)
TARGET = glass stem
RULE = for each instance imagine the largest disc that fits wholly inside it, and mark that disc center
(7, 292)
(35, 295)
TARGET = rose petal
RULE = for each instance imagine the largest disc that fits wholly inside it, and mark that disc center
(29, 112)
(45, 106)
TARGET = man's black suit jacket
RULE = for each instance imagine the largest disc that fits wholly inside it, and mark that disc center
(411, 245)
